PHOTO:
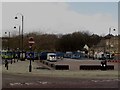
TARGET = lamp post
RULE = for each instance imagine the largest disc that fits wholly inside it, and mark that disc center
(109, 39)
(19, 34)
(22, 21)
(8, 46)
(18, 52)
(8, 39)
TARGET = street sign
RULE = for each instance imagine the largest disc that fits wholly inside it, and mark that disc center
(31, 41)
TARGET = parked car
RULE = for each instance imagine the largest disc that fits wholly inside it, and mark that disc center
(50, 56)
(68, 55)
(60, 55)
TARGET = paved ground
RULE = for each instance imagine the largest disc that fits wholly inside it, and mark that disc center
(22, 67)
(75, 63)
(18, 75)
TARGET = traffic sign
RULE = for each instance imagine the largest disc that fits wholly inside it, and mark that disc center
(31, 41)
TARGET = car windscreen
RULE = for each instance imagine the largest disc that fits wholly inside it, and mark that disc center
(52, 55)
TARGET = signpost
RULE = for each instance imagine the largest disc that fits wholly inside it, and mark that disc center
(31, 42)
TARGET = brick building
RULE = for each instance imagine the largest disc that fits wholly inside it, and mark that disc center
(107, 45)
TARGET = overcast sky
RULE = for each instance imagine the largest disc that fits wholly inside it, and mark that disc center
(61, 17)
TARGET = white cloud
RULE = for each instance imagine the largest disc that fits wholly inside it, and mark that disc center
(57, 18)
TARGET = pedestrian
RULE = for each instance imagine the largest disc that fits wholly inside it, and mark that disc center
(6, 64)
(14, 56)
(11, 60)
(104, 65)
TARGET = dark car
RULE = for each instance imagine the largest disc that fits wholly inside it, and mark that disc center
(59, 55)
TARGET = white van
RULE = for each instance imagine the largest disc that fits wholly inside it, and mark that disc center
(51, 57)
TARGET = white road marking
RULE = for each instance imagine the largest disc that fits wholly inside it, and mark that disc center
(107, 80)
(34, 83)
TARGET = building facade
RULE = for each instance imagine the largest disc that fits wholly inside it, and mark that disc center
(107, 45)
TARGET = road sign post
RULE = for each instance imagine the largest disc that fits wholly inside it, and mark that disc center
(30, 66)
(31, 42)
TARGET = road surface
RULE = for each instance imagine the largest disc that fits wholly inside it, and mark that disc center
(21, 81)
(18, 77)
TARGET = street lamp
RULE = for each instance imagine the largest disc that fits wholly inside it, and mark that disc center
(8, 42)
(8, 39)
(109, 39)
(22, 20)
(19, 33)
(18, 52)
